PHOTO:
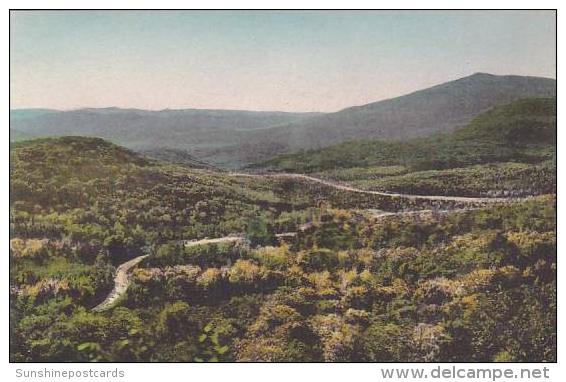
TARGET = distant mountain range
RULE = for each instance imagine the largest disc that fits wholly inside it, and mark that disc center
(19, 114)
(235, 138)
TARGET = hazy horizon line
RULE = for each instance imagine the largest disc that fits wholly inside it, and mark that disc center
(78, 108)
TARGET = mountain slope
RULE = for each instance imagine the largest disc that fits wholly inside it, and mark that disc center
(19, 114)
(502, 133)
(437, 109)
(16, 136)
(177, 156)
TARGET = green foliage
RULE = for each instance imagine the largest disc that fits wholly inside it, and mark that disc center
(474, 285)
(86, 189)
(212, 340)
(259, 233)
(491, 180)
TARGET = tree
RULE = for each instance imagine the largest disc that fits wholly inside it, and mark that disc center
(259, 233)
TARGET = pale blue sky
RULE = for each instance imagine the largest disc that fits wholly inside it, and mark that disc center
(263, 60)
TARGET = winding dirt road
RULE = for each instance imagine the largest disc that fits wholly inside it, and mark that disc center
(122, 278)
(339, 186)
(225, 239)
(384, 214)
(122, 281)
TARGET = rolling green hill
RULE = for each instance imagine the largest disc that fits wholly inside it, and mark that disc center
(530, 121)
(92, 186)
(524, 130)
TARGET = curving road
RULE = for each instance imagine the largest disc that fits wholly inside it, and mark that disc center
(343, 187)
(122, 281)
(225, 239)
(384, 214)
(122, 277)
